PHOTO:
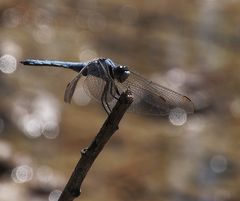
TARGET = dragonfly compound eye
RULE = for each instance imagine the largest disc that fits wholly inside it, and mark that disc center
(121, 73)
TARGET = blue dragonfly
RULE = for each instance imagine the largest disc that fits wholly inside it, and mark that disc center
(105, 80)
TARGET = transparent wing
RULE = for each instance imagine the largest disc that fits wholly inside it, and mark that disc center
(94, 86)
(149, 98)
(71, 88)
(95, 82)
(153, 99)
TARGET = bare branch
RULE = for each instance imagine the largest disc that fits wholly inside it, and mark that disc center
(72, 189)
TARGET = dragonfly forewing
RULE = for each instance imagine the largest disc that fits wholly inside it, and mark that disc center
(153, 99)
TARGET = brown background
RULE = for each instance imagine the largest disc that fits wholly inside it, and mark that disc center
(191, 46)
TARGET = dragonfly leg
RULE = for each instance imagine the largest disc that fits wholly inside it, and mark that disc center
(113, 89)
(116, 89)
(108, 107)
(106, 95)
(104, 102)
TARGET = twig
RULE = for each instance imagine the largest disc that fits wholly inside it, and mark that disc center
(72, 189)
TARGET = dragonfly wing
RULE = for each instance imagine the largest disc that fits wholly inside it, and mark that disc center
(153, 99)
(94, 86)
(71, 88)
(95, 82)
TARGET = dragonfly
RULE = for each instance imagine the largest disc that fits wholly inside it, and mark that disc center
(105, 80)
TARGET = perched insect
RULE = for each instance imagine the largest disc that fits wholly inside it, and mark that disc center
(106, 80)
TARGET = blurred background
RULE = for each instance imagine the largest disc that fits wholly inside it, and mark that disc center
(190, 46)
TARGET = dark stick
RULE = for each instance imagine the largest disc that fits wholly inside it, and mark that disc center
(72, 189)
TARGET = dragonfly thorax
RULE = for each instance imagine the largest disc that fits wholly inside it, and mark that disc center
(121, 73)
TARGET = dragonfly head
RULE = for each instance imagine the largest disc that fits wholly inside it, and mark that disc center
(121, 73)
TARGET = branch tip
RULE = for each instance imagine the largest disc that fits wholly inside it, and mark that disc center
(72, 188)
